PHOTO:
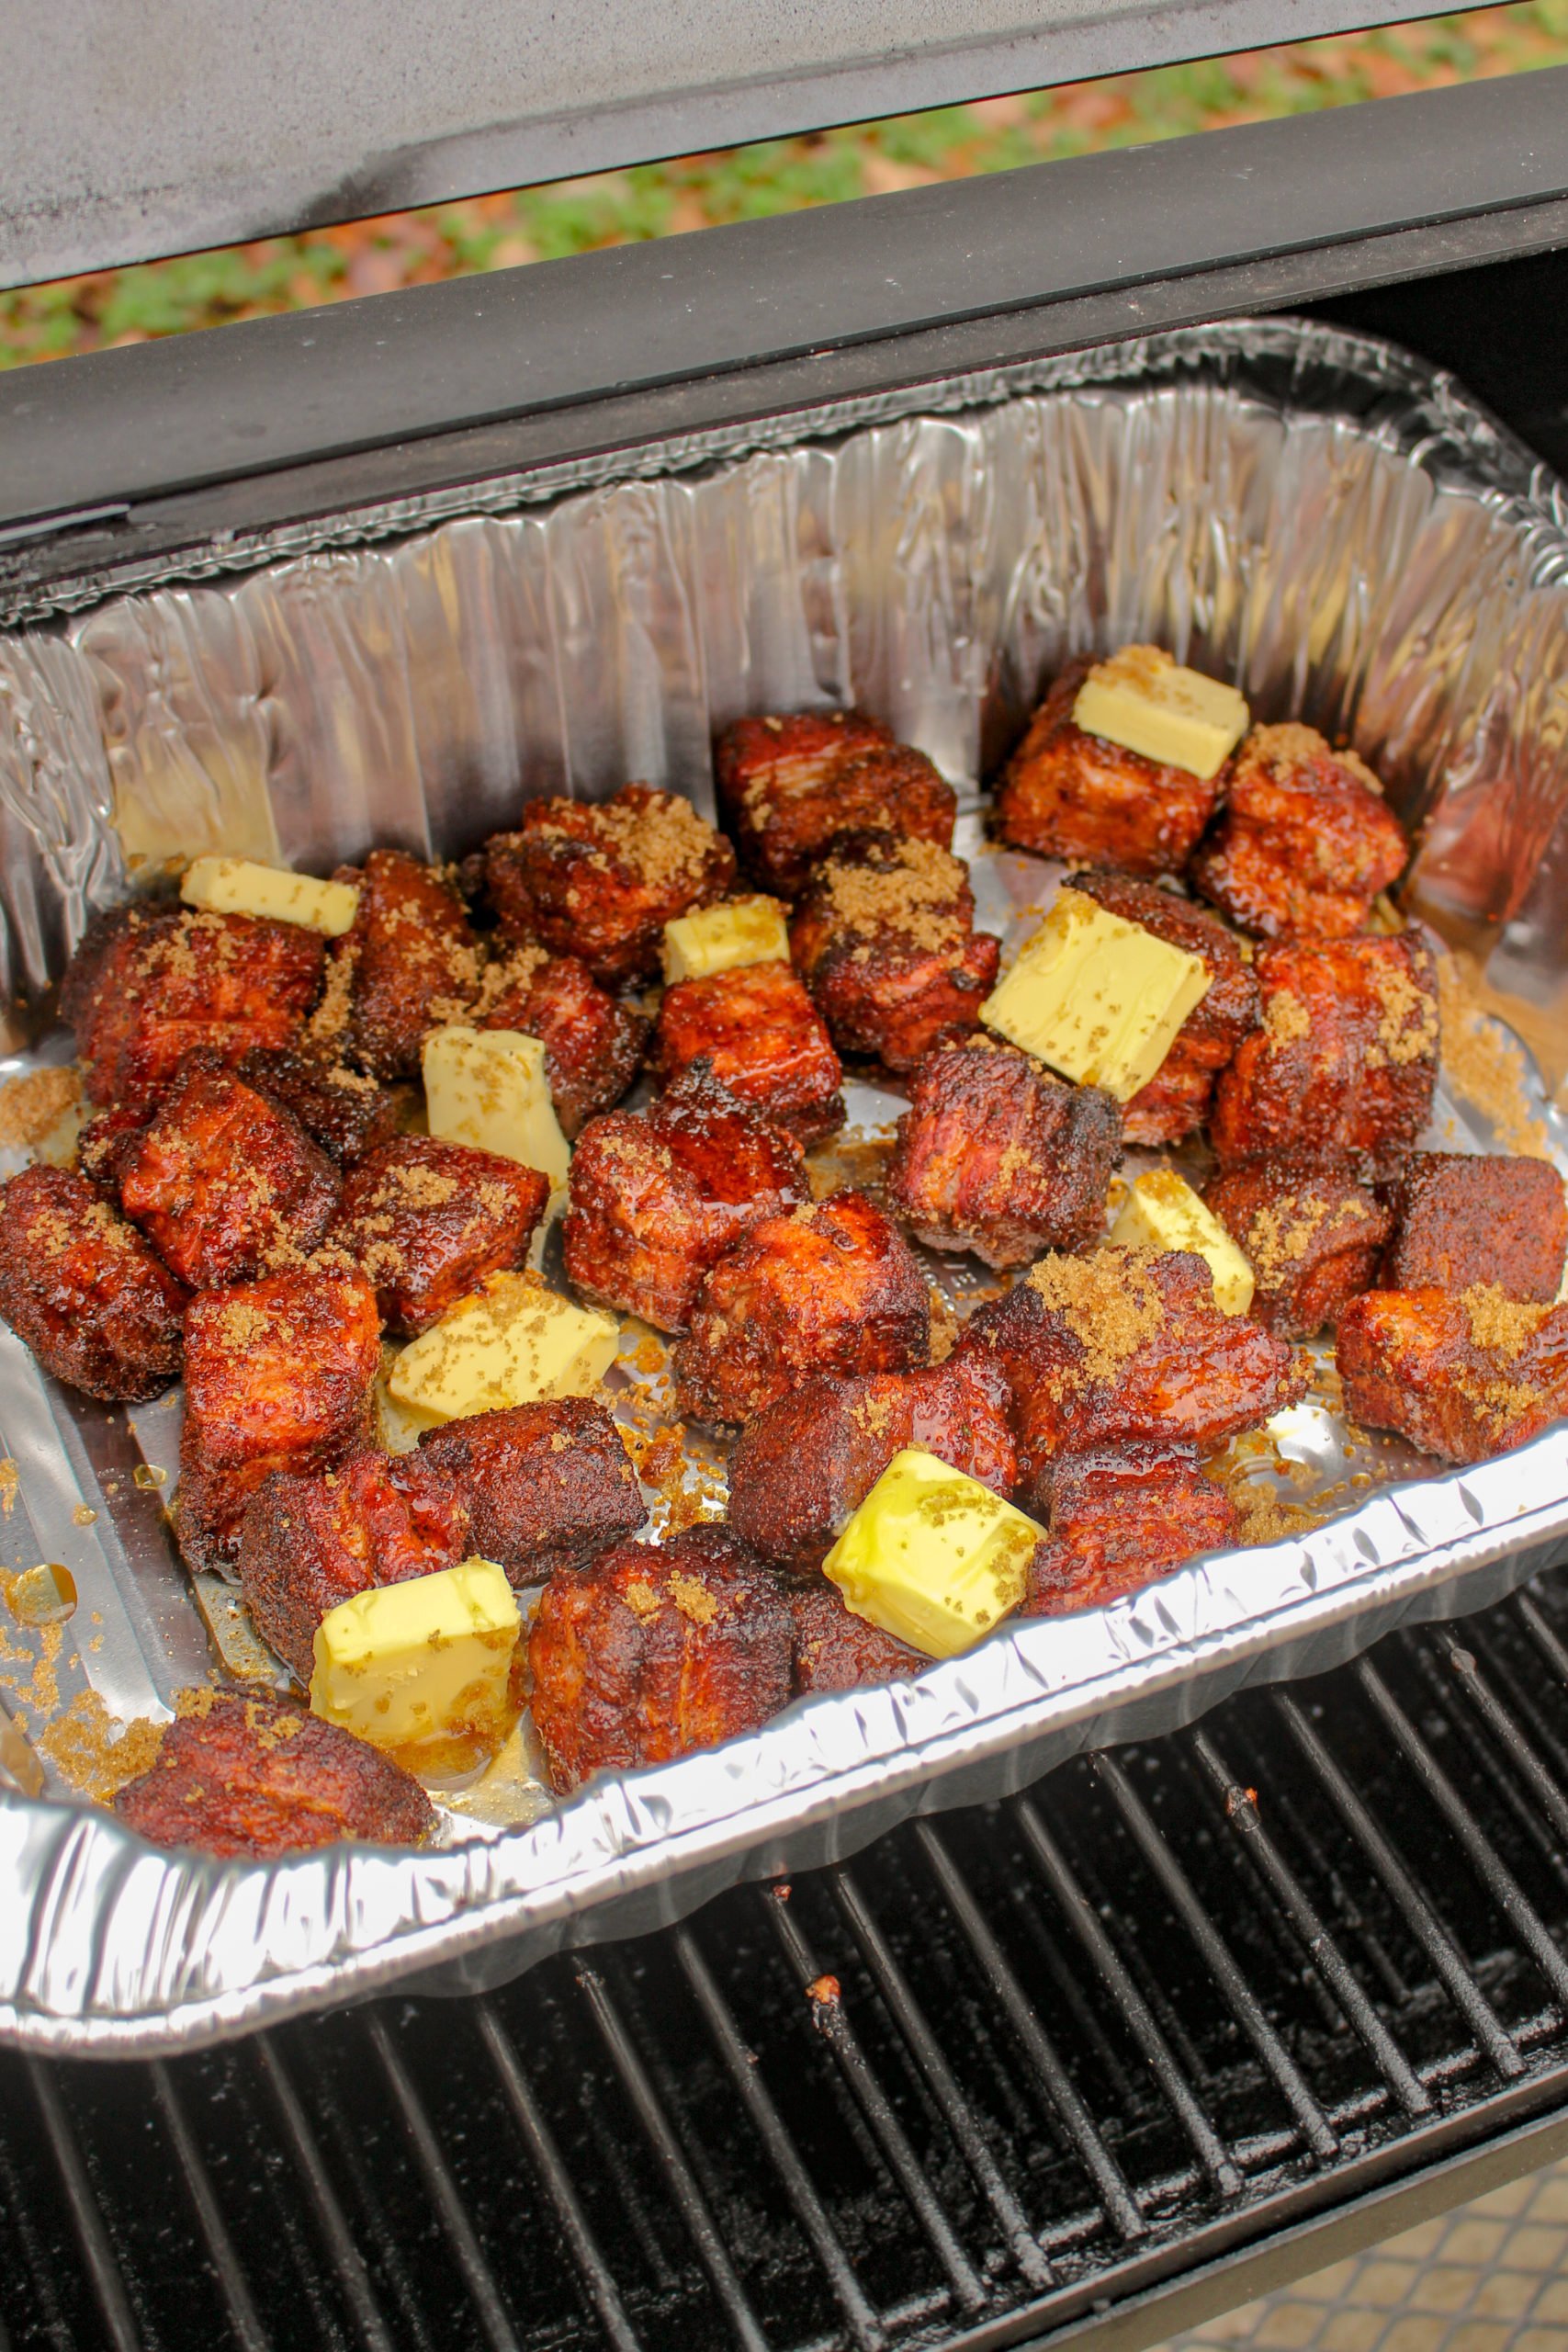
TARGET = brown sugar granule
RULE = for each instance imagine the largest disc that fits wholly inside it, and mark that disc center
(31, 1105)
(1499, 1323)
(1110, 1302)
(1290, 745)
(1279, 1236)
(10, 1482)
(328, 1024)
(692, 1598)
(1483, 1068)
(1408, 1029)
(666, 843)
(1285, 1017)
(93, 1754)
(916, 895)
(641, 1600)
(1265, 1517)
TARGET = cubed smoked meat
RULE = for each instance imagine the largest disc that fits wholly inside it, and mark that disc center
(600, 879)
(343, 1110)
(83, 1289)
(548, 1486)
(1066, 794)
(836, 1650)
(1312, 1235)
(1464, 1378)
(788, 788)
(411, 959)
(426, 1221)
(1346, 1060)
(656, 1199)
(656, 1650)
(884, 939)
(107, 1141)
(762, 1038)
(996, 1156)
(251, 1778)
(1117, 1520)
(1307, 841)
(834, 1286)
(594, 1044)
(1463, 1218)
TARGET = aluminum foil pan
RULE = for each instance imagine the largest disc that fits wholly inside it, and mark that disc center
(1319, 518)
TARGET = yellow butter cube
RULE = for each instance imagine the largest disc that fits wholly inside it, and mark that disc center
(510, 1342)
(715, 939)
(423, 1665)
(932, 1556)
(1163, 1212)
(241, 885)
(1096, 997)
(491, 1088)
(1149, 704)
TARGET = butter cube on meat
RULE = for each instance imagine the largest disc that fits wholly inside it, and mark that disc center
(1151, 704)
(715, 939)
(491, 1088)
(1096, 997)
(933, 1557)
(241, 885)
(510, 1342)
(421, 1665)
(1163, 1212)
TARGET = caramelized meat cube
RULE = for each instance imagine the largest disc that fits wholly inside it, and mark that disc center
(762, 1037)
(107, 1141)
(252, 1778)
(1345, 1063)
(1463, 1218)
(831, 1287)
(1311, 1234)
(594, 1044)
(148, 985)
(884, 939)
(1066, 794)
(84, 1291)
(1464, 1378)
(225, 1183)
(548, 1486)
(1117, 1520)
(410, 963)
(802, 1468)
(601, 880)
(1307, 841)
(655, 1199)
(426, 1221)
(342, 1110)
(1127, 1345)
(655, 1650)
(311, 1538)
(1176, 1099)
(996, 1156)
(788, 788)
(836, 1650)
(278, 1378)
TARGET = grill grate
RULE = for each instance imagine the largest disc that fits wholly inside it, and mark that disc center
(1003, 2071)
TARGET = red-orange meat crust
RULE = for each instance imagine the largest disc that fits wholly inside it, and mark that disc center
(84, 1291)
(836, 1650)
(414, 960)
(1463, 1218)
(762, 1038)
(343, 1110)
(600, 880)
(427, 1221)
(548, 1486)
(1118, 1518)
(1464, 1378)
(1307, 841)
(1312, 1235)
(884, 937)
(1066, 794)
(788, 788)
(594, 1044)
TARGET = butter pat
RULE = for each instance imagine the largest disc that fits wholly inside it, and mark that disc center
(422, 1665)
(511, 1343)
(491, 1088)
(239, 886)
(1096, 997)
(1144, 701)
(1163, 1212)
(932, 1556)
(715, 939)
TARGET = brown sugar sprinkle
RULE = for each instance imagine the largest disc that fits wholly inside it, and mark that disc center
(329, 1023)
(945, 1328)
(1292, 745)
(1285, 1017)
(497, 979)
(1109, 1301)
(30, 1105)
(1278, 1238)
(94, 1754)
(692, 1598)
(919, 894)
(1265, 1517)
(1408, 1029)
(665, 845)
(1500, 1324)
(642, 1600)
(1483, 1068)
(10, 1484)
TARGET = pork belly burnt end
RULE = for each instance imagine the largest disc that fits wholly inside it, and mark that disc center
(426, 1221)
(600, 880)
(656, 1650)
(1176, 1100)
(278, 1378)
(834, 1286)
(343, 1110)
(311, 1538)
(1463, 1218)
(1345, 1063)
(788, 788)
(800, 1470)
(656, 1199)
(225, 1183)
(996, 1156)
(148, 986)
(1312, 1235)
(594, 1044)
(548, 1486)
(251, 1778)
(84, 1291)
(1117, 1520)
(411, 959)
(884, 939)
(836, 1650)
(1464, 1378)
(1066, 794)
(1307, 841)
(762, 1038)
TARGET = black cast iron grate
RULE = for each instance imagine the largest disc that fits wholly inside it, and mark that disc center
(997, 2074)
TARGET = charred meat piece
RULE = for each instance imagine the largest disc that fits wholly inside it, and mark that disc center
(426, 1221)
(1464, 1378)
(1117, 1520)
(834, 1286)
(225, 1183)
(411, 964)
(601, 880)
(1312, 1235)
(996, 1156)
(594, 1044)
(1176, 1100)
(655, 1650)
(762, 1038)
(788, 788)
(656, 1199)
(252, 1778)
(836, 1650)
(107, 1141)
(1346, 1060)
(148, 985)
(1066, 794)
(84, 1291)
(343, 1110)
(884, 939)
(1463, 1218)
(1307, 841)
(548, 1486)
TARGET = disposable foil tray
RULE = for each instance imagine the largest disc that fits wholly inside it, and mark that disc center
(1321, 519)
